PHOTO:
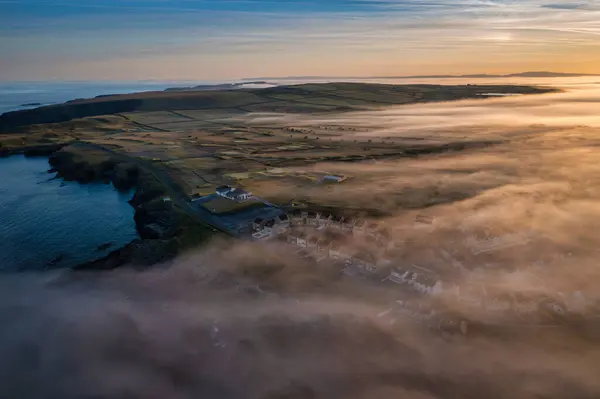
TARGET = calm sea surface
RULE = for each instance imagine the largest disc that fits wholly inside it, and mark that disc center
(15, 96)
(48, 223)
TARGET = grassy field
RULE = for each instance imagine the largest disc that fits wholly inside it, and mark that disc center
(275, 142)
(307, 98)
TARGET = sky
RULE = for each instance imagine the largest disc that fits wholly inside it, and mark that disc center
(235, 39)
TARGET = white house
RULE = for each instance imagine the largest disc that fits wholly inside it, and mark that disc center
(235, 194)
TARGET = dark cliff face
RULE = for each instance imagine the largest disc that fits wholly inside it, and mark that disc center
(70, 166)
(11, 121)
(157, 222)
(73, 163)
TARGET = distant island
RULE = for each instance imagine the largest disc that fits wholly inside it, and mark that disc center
(531, 74)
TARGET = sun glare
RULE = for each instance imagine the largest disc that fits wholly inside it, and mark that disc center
(500, 37)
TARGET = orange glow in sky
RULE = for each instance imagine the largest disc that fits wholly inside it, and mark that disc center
(216, 40)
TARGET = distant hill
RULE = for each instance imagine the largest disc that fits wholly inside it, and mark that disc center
(532, 74)
(223, 86)
(544, 74)
(305, 98)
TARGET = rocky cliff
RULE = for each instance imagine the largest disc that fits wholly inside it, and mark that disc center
(156, 220)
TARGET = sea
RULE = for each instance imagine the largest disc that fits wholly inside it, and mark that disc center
(15, 96)
(47, 223)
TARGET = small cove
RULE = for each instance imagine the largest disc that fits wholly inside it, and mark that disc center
(48, 223)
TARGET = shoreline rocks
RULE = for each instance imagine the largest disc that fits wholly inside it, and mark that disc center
(85, 166)
(155, 220)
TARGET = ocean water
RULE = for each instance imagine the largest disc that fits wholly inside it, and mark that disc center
(44, 220)
(14, 96)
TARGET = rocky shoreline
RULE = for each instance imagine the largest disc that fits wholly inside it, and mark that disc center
(158, 222)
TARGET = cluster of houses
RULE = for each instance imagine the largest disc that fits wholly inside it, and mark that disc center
(278, 226)
(319, 249)
(354, 227)
(472, 294)
(422, 282)
(270, 228)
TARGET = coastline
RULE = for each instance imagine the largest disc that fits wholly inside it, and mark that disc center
(167, 227)
(164, 231)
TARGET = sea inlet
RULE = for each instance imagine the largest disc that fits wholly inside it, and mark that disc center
(47, 223)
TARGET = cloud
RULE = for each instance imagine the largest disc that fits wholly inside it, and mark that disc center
(429, 33)
(203, 328)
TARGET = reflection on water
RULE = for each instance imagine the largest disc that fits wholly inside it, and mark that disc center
(47, 223)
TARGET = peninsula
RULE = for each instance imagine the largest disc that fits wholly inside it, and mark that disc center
(176, 146)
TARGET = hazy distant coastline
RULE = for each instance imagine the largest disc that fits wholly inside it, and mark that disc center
(224, 86)
(531, 74)
(252, 98)
(15, 96)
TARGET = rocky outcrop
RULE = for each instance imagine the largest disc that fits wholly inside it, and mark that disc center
(148, 189)
(75, 165)
(154, 218)
(151, 231)
(124, 176)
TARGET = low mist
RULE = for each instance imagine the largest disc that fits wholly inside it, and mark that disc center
(253, 320)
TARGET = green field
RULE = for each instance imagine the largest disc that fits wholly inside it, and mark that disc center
(201, 140)
(307, 98)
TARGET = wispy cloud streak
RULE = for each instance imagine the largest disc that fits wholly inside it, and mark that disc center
(351, 37)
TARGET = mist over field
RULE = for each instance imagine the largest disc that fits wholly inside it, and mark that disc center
(242, 320)
(204, 328)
